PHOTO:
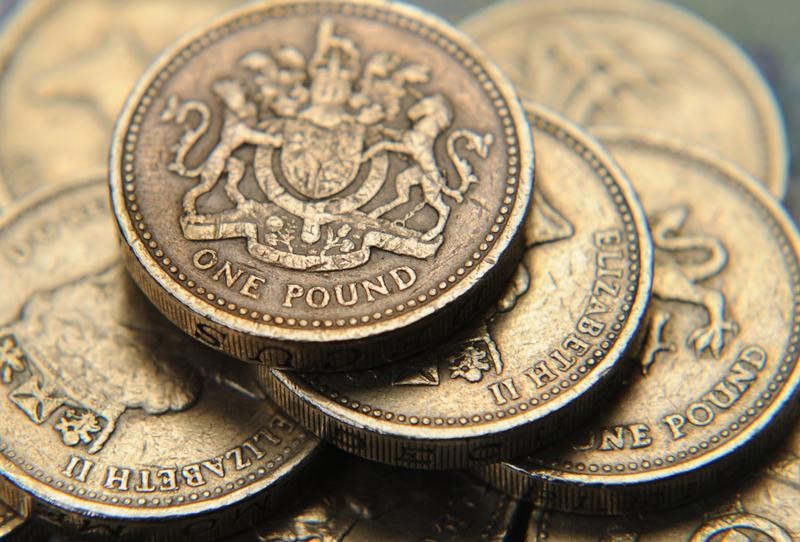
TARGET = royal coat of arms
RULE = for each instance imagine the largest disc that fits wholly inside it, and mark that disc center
(324, 130)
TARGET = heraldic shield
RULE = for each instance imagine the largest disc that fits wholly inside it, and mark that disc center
(330, 198)
(321, 162)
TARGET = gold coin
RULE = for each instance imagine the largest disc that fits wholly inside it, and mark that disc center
(10, 521)
(534, 366)
(640, 64)
(761, 507)
(718, 375)
(67, 67)
(322, 184)
(112, 422)
(363, 502)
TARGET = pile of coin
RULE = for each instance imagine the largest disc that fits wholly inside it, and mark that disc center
(364, 278)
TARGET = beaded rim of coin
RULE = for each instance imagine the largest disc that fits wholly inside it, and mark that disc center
(381, 435)
(613, 492)
(26, 486)
(300, 342)
(776, 169)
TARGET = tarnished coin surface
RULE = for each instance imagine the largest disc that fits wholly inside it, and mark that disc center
(533, 366)
(718, 375)
(67, 66)
(640, 64)
(322, 184)
(364, 502)
(761, 508)
(112, 422)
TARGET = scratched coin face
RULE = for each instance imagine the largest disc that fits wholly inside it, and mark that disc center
(640, 64)
(534, 365)
(113, 421)
(322, 184)
(762, 507)
(67, 68)
(351, 504)
(718, 372)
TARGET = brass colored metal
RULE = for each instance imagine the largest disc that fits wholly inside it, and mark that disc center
(67, 66)
(359, 501)
(640, 64)
(535, 365)
(320, 184)
(10, 521)
(761, 507)
(112, 422)
(718, 376)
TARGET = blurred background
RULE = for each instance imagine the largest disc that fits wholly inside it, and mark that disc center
(766, 30)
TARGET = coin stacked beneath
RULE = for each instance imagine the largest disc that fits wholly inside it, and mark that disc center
(339, 222)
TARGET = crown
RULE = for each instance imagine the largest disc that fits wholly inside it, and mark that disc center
(334, 67)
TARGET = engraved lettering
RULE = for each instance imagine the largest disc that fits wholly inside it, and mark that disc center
(540, 374)
(145, 484)
(700, 414)
(293, 291)
(79, 464)
(193, 475)
(504, 391)
(353, 297)
(641, 436)
(251, 287)
(575, 344)
(117, 479)
(404, 277)
(240, 462)
(723, 396)
(675, 422)
(215, 466)
(318, 298)
(613, 439)
(205, 259)
(379, 288)
(168, 479)
(209, 335)
(619, 437)
(590, 326)
(608, 238)
(564, 362)
(231, 277)
(601, 287)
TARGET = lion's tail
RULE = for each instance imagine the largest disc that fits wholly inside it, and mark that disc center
(666, 228)
(480, 145)
(179, 113)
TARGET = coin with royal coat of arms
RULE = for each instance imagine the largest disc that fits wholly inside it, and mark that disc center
(532, 367)
(718, 375)
(318, 184)
(112, 422)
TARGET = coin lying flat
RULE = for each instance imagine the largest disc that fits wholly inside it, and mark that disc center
(640, 64)
(112, 422)
(763, 507)
(537, 363)
(346, 182)
(352, 504)
(718, 375)
(67, 67)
